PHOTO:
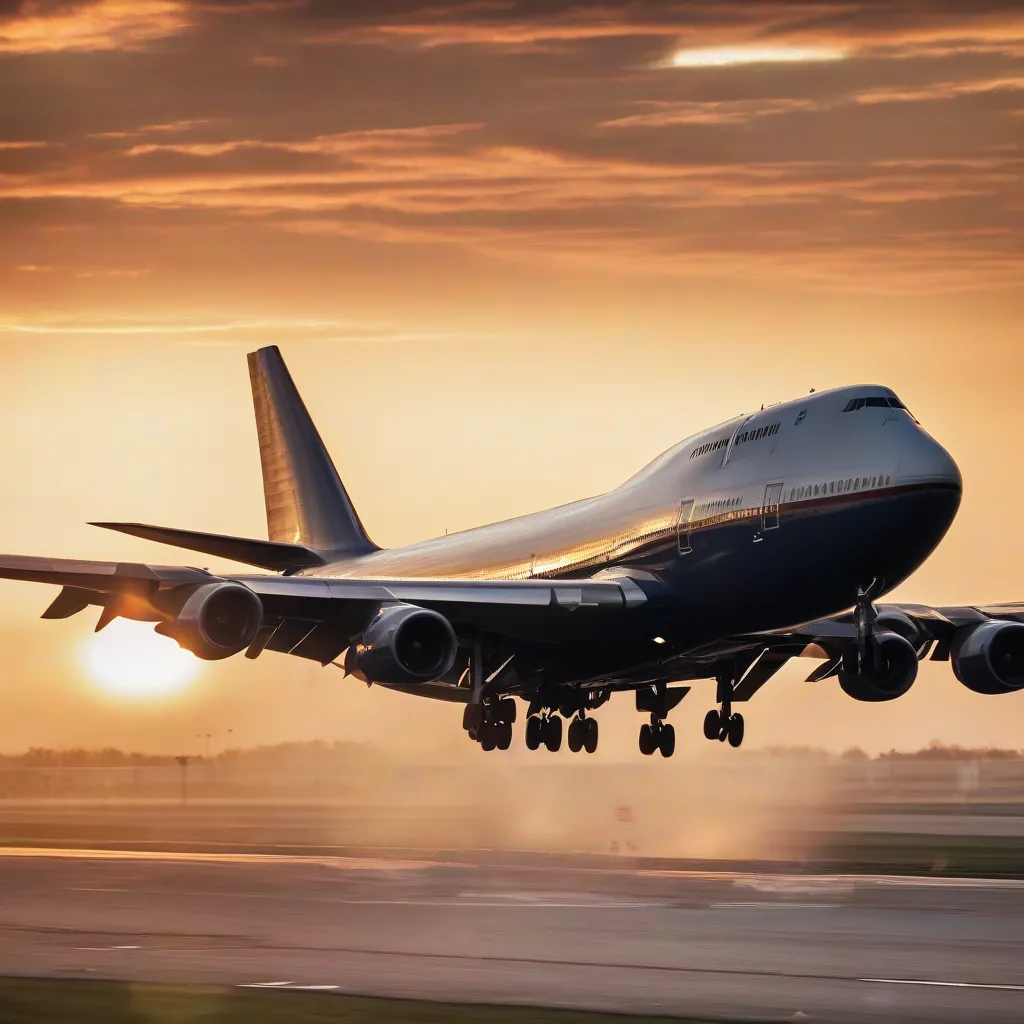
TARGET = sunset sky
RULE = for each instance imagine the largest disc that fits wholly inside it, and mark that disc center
(511, 251)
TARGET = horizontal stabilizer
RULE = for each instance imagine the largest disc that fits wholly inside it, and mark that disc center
(267, 554)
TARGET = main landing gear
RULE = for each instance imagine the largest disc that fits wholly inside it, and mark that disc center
(721, 723)
(583, 734)
(546, 729)
(658, 701)
(490, 723)
(658, 735)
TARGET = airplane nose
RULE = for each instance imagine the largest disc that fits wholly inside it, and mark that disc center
(927, 462)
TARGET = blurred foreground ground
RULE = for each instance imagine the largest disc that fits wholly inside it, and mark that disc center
(771, 887)
(709, 945)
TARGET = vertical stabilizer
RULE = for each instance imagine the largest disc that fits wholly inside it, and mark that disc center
(306, 501)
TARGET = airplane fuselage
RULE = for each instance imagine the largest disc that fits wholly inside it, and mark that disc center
(759, 523)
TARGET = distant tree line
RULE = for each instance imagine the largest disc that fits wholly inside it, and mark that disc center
(366, 755)
(111, 757)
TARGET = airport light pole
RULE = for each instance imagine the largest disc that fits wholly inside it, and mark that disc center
(182, 760)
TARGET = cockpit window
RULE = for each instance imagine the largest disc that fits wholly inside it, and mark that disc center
(875, 402)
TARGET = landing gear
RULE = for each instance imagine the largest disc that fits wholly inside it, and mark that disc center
(534, 732)
(657, 736)
(552, 733)
(723, 724)
(490, 723)
(658, 700)
(582, 735)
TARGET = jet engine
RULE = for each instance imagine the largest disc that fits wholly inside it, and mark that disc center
(217, 620)
(404, 644)
(990, 658)
(892, 620)
(893, 672)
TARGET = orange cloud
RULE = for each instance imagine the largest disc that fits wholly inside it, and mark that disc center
(895, 30)
(99, 25)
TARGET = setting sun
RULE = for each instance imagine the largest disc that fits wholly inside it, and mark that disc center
(127, 659)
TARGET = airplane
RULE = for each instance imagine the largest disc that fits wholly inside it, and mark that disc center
(768, 537)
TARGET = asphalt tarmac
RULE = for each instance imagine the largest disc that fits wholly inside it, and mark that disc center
(720, 945)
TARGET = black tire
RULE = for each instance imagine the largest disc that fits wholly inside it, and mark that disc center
(648, 740)
(576, 732)
(534, 732)
(503, 735)
(553, 733)
(472, 716)
(712, 724)
(488, 737)
(507, 710)
(667, 740)
(590, 735)
(735, 730)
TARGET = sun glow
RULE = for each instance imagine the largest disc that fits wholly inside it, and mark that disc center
(127, 659)
(721, 56)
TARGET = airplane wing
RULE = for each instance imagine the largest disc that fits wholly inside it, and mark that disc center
(315, 616)
(755, 657)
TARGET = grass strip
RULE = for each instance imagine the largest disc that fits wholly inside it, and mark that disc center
(68, 1001)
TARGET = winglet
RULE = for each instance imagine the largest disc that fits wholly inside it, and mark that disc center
(307, 503)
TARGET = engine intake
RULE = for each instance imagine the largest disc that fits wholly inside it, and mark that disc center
(218, 620)
(990, 658)
(405, 644)
(894, 672)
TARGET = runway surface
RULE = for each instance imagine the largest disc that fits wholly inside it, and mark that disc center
(833, 948)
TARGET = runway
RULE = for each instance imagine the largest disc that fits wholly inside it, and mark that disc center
(833, 948)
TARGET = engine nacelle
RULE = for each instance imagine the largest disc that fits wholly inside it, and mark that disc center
(892, 620)
(218, 620)
(990, 658)
(894, 673)
(405, 644)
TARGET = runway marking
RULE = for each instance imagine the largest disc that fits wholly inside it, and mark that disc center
(459, 901)
(772, 905)
(106, 949)
(944, 984)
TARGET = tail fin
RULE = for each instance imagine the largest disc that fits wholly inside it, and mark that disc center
(307, 503)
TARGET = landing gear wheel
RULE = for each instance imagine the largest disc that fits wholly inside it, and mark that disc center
(667, 740)
(503, 737)
(534, 732)
(553, 733)
(735, 730)
(488, 737)
(712, 724)
(589, 734)
(648, 740)
(575, 737)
